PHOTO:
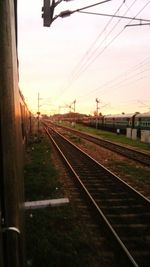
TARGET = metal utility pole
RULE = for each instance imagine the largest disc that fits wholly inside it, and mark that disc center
(69, 106)
(74, 105)
(97, 106)
(97, 110)
(38, 112)
(48, 11)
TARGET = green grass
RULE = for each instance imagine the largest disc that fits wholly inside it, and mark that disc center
(113, 137)
(57, 240)
(41, 178)
(55, 236)
(75, 139)
(138, 173)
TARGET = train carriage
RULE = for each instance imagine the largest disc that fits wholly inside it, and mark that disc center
(13, 118)
(26, 119)
(142, 122)
(121, 122)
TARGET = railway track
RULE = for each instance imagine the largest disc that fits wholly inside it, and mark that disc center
(124, 211)
(138, 156)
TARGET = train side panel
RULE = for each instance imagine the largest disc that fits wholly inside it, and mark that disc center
(11, 193)
(26, 119)
(142, 121)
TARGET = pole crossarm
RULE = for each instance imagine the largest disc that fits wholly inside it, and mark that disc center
(48, 10)
(67, 13)
(140, 24)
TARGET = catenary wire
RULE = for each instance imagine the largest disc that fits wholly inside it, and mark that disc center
(83, 68)
(79, 65)
(120, 33)
(124, 74)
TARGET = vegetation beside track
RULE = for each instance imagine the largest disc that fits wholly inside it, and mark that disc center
(41, 178)
(137, 175)
(54, 235)
(118, 138)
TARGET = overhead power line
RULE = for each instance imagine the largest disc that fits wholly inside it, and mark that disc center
(88, 54)
(123, 78)
(95, 41)
(140, 12)
(93, 56)
(67, 13)
(91, 60)
(84, 68)
(115, 16)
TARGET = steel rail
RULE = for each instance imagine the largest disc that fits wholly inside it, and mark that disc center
(132, 262)
(130, 153)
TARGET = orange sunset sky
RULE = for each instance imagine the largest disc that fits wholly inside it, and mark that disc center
(83, 57)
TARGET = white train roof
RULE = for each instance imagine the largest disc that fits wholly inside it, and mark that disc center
(143, 115)
(120, 115)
